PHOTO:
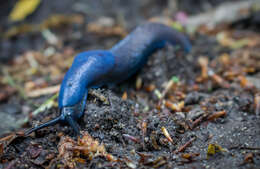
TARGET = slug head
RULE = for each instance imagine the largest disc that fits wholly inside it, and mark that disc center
(69, 115)
(66, 116)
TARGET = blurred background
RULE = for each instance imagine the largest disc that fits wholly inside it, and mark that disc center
(23, 24)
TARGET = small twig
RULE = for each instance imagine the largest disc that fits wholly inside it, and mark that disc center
(43, 91)
(182, 148)
(216, 115)
(176, 107)
(171, 82)
(204, 63)
(132, 138)
(197, 122)
(144, 131)
(218, 79)
(257, 105)
(245, 148)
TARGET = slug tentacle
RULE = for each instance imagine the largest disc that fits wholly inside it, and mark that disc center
(48, 123)
(73, 124)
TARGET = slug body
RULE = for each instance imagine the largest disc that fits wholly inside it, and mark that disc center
(94, 69)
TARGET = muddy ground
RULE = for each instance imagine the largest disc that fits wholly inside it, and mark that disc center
(203, 121)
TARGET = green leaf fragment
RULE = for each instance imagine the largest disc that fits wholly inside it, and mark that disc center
(175, 79)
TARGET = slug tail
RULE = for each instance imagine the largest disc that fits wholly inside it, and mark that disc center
(169, 34)
(48, 123)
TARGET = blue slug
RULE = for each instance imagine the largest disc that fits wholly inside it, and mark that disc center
(96, 68)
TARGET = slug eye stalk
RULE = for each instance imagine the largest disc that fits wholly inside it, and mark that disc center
(73, 124)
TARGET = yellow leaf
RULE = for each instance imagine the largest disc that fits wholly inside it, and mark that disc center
(22, 9)
(211, 149)
(214, 148)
